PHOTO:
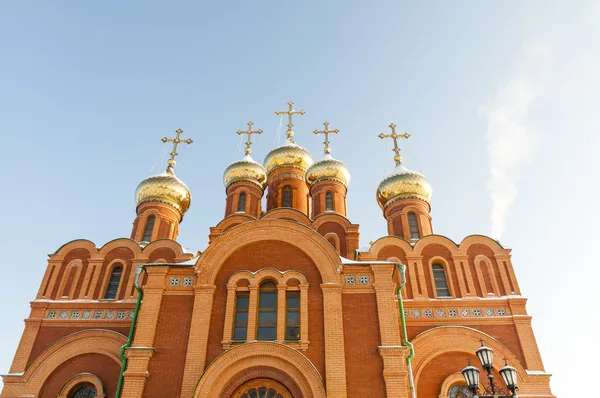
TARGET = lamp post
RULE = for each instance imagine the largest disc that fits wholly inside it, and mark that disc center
(508, 373)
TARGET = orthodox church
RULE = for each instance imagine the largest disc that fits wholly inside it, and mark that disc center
(283, 302)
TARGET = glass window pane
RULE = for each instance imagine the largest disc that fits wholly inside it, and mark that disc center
(293, 301)
(293, 317)
(242, 301)
(239, 333)
(262, 391)
(268, 300)
(443, 292)
(267, 333)
(267, 317)
(241, 318)
(252, 393)
(440, 284)
(292, 333)
(271, 393)
(270, 285)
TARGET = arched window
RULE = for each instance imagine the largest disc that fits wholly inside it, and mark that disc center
(413, 226)
(460, 392)
(113, 283)
(84, 391)
(242, 202)
(441, 283)
(148, 230)
(267, 311)
(240, 326)
(292, 321)
(328, 201)
(287, 196)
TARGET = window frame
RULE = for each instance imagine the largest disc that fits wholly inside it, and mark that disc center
(413, 222)
(329, 198)
(117, 264)
(270, 289)
(148, 230)
(287, 190)
(288, 310)
(241, 202)
(442, 268)
(239, 294)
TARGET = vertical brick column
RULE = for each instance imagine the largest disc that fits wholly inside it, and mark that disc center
(335, 357)
(416, 264)
(32, 326)
(195, 360)
(533, 359)
(462, 260)
(281, 310)
(229, 314)
(87, 287)
(49, 278)
(391, 350)
(141, 351)
(304, 317)
(252, 312)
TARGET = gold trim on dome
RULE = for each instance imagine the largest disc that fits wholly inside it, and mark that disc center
(288, 155)
(403, 183)
(328, 168)
(164, 188)
(245, 170)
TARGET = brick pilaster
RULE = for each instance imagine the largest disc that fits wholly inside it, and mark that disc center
(32, 326)
(335, 358)
(195, 360)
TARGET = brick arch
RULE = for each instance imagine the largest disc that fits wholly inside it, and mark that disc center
(451, 381)
(165, 243)
(130, 244)
(331, 217)
(445, 339)
(310, 242)
(381, 243)
(91, 341)
(288, 213)
(483, 240)
(218, 376)
(436, 239)
(80, 379)
(65, 249)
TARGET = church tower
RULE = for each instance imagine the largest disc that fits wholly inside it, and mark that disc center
(162, 200)
(404, 197)
(286, 171)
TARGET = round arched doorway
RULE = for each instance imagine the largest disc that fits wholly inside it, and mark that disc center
(262, 388)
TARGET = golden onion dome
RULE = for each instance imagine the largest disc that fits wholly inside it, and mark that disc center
(245, 170)
(403, 183)
(164, 188)
(328, 169)
(288, 155)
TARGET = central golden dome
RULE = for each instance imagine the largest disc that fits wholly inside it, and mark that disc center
(245, 170)
(403, 183)
(328, 169)
(164, 188)
(288, 155)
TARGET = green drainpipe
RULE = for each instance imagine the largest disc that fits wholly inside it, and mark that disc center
(138, 271)
(404, 335)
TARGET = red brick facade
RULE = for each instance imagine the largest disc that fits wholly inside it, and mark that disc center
(349, 341)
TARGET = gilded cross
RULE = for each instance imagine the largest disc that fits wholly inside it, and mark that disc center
(290, 112)
(176, 141)
(326, 132)
(249, 132)
(395, 136)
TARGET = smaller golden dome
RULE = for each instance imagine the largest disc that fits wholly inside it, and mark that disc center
(164, 188)
(328, 169)
(403, 183)
(288, 155)
(245, 170)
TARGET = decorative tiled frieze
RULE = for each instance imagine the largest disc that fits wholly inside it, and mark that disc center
(364, 280)
(89, 315)
(455, 313)
(350, 279)
(174, 281)
(188, 281)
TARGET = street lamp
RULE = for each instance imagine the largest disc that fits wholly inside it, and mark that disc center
(508, 373)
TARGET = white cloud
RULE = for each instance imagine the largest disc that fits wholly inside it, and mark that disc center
(511, 140)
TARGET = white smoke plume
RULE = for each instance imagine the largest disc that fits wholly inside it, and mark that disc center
(511, 140)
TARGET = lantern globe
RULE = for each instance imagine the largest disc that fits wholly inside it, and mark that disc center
(471, 375)
(486, 356)
(509, 375)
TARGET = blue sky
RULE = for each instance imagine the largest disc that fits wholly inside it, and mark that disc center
(501, 99)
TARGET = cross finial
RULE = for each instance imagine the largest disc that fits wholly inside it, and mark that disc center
(249, 132)
(176, 141)
(290, 112)
(326, 131)
(395, 136)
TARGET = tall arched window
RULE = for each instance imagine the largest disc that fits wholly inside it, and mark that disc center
(287, 196)
(267, 311)
(292, 321)
(113, 283)
(242, 202)
(413, 226)
(240, 326)
(329, 201)
(440, 281)
(148, 230)
(84, 391)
